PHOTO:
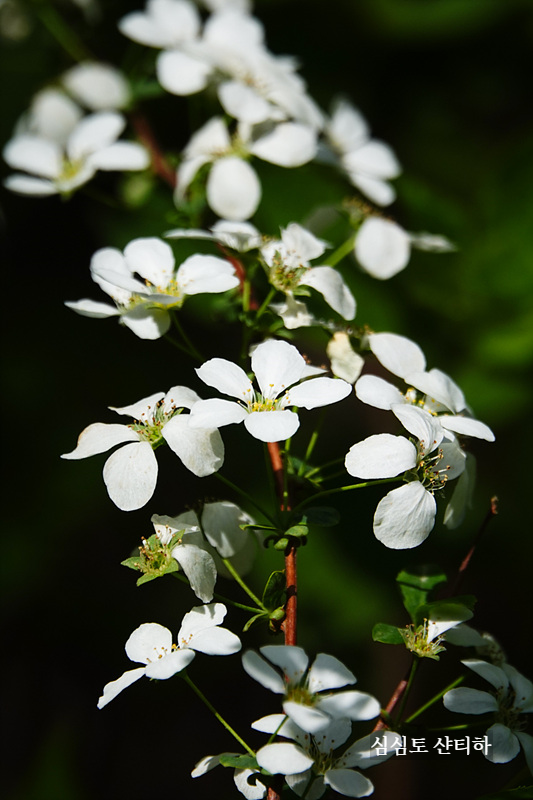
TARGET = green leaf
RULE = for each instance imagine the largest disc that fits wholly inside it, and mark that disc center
(457, 608)
(253, 619)
(388, 634)
(274, 593)
(322, 516)
(146, 578)
(416, 586)
(297, 531)
(239, 761)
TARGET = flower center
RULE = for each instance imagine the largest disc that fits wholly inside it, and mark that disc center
(151, 429)
(285, 276)
(416, 640)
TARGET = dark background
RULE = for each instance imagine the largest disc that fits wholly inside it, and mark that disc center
(447, 84)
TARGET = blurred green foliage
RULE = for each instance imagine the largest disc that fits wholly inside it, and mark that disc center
(447, 84)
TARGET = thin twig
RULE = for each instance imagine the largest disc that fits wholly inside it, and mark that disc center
(146, 136)
(493, 510)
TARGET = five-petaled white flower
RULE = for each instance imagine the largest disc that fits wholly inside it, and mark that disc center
(144, 305)
(308, 699)
(151, 644)
(130, 473)
(289, 268)
(192, 553)
(310, 764)
(405, 516)
(278, 366)
(512, 698)
(54, 169)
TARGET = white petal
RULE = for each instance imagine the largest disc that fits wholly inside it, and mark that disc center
(221, 524)
(92, 308)
(327, 672)
(337, 732)
(467, 427)
(99, 437)
(523, 689)
(97, 86)
(294, 313)
(421, 424)
(441, 621)
(233, 189)
(95, 132)
(351, 704)
(309, 719)
(199, 274)
(375, 159)
(201, 450)
(490, 672)
(198, 566)
(289, 145)
(152, 259)
(348, 129)
(210, 140)
(504, 744)
(216, 413)
(331, 286)
(115, 687)
(130, 475)
(398, 354)
(24, 184)
(142, 410)
(300, 242)
(405, 516)
(179, 397)
(345, 362)
(147, 323)
(200, 618)
(252, 790)
(469, 701)
(272, 426)
(121, 156)
(462, 495)
(245, 103)
(168, 666)
(52, 115)
(182, 74)
(348, 782)
(276, 365)
(216, 642)
(438, 386)
(318, 392)
(34, 154)
(377, 392)
(207, 763)
(292, 660)
(287, 759)
(149, 642)
(382, 247)
(526, 740)
(374, 188)
(362, 754)
(381, 456)
(258, 669)
(227, 377)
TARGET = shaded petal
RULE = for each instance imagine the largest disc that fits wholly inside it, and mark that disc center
(130, 475)
(438, 386)
(252, 791)
(467, 427)
(382, 248)
(92, 308)
(284, 758)
(381, 456)
(421, 424)
(526, 740)
(216, 413)
(147, 323)
(345, 362)
(201, 450)
(351, 704)
(258, 669)
(469, 701)
(331, 286)
(198, 619)
(523, 689)
(398, 354)
(115, 687)
(227, 377)
(198, 565)
(504, 744)
(362, 754)
(490, 672)
(182, 74)
(221, 524)
(99, 437)
(233, 189)
(272, 426)
(152, 259)
(245, 104)
(377, 392)
(327, 672)
(462, 495)
(290, 144)
(291, 659)
(307, 718)
(405, 516)
(348, 782)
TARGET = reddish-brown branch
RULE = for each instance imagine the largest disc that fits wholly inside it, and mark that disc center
(253, 304)
(146, 136)
(493, 510)
(391, 705)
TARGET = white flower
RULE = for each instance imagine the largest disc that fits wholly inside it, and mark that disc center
(368, 162)
(317, 751)
(512, 698)
(241, 777)
(278, 367)
(130, 473)
(90, 146)
(151, 644)
(51, 115)
(383, 248)
(240, 236)
(144, 305)
(233, 188)
(405, 516)
(97, 86)
(345, 362)
(191, 552)
(288, 261)
(308, 699)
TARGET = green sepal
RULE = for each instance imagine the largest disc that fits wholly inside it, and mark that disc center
(388, 634)
(154, 559)
(451, 608)
(415, 587)
(322, 516)
(297, 531)
(239, 761)
(274, 593)
(281, 544)
(133, 563)
(253, 619)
